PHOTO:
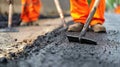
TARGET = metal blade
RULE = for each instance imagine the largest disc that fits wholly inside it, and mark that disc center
(8, 30)
(82, 40)
(85, 40)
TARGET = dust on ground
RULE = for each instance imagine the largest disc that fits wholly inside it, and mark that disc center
(12, 42)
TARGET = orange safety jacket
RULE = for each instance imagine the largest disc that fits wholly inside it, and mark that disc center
(80, 10)
(30, 10)
(117, 10)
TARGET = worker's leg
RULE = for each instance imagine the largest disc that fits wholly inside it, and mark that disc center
(34, 10)
(79, 10)
(30, 11)
(25, 11)
(98, 18)
(99, 15)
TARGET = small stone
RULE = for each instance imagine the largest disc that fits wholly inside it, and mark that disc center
(100, 62)
(3, 60)
(109, 52)
(15, 39)
(92, 54)
(25, 41)
(12, 54)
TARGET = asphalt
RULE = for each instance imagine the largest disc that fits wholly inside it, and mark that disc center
(54, 50)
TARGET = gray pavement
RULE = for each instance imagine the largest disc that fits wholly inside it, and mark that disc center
(54, 50)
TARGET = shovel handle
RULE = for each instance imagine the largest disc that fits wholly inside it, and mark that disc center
(88, 20)
(10, 15)
(57, 4)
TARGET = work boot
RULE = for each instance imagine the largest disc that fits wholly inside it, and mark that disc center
(34, 24)
(98, 28)
(24, 24)
(29, 24)
(76, 27)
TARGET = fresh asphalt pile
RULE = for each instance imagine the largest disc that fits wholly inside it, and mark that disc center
(54, 49)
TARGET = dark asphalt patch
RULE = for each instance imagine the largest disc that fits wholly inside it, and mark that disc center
(16, 20)
(4, 20)
(54, 50)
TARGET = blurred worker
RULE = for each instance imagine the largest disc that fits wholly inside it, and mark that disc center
(30, 12)
(80, 11)
(117, 9)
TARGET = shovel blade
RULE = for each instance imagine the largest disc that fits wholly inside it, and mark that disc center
(73, 38)
(82, 40)
(85, 40)
(8, 30)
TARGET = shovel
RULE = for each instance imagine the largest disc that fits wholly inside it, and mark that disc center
(9, 28)
(82, 38)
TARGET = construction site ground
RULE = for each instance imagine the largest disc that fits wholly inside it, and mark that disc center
(47, 46)
(26, 35)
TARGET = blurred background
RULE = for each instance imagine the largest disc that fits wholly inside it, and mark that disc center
(48, 6)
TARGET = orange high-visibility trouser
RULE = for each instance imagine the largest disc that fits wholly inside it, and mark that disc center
(80, 11)
(30, 10)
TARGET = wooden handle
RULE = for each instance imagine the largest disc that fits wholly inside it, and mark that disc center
(90, 16)
(57, 4)
(10, 15)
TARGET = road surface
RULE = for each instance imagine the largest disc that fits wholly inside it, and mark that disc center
(54, 50)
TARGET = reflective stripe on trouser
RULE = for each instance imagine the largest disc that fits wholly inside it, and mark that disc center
(30, 10)
(80, 10)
